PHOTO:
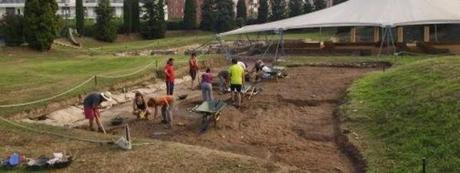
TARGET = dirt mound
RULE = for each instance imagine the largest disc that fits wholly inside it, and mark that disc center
(291, 121)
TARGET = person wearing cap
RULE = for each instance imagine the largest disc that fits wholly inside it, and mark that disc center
(236, 72)
(166, 103)
(91, 106)
(170, 75)
(193, 68)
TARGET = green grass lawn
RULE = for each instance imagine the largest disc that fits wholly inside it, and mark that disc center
(395, 60)
(408, 113)
(310, 36)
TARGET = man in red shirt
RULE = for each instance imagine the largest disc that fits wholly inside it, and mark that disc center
(170, 75)
(193, 64)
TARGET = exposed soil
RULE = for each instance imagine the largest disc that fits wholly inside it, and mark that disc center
(291, 121)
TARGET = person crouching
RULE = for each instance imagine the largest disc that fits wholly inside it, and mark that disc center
(166, 103)
(140, 107)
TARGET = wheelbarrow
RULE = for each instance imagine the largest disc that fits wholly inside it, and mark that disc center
(210, 111)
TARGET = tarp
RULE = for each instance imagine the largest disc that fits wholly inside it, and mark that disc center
(381, 13)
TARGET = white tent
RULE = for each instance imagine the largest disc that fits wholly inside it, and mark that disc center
(381, 13)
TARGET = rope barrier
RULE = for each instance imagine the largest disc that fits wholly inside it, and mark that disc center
(129, 74)
(49, 98)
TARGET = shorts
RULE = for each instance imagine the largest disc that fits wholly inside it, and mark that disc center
(193, 74)
(90, 113)
(236, 87)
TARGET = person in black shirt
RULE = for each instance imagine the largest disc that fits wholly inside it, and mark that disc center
(91, 106)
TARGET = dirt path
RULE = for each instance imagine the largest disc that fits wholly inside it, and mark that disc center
(291, 121)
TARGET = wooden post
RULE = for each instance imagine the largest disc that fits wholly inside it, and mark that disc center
(400, 31)
(353, 35)
(95, 81)
(426, 35)
(128, 133)
(376, 34)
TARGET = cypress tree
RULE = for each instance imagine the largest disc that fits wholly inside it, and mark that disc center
(241, 11)
(307, 7)
(40, 23)
(295, 7)
(135, 18)
(160, 30)
(262, 16)
(105, 29)
(319, 4)
(208, 15)
(127, 23)
(278, 9)
(79, 16)
(190, 14)
(225, 17)
(153, 24)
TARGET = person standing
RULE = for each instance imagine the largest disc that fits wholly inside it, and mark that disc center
(167, 104)
(91, 106)
(170, 75)
(236, 72)
(193, 69)
(206, 85)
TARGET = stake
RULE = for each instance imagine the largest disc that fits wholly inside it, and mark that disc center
(128, 134)
(95, 81)
(98, 121)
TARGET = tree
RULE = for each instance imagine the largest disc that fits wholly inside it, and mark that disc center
(225, 16)
(40, 23)
(262, 16)
(295, 7)
(13, 30)
(131, 15)
(105, 29)
(278, 9)
(208, 15)
(307, 7)
(79, 16)
(319, 4)
(190, 14)
(153, 24)
(241, 13)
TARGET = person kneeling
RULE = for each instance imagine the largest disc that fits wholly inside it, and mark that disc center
(166, 103)
(140, 107)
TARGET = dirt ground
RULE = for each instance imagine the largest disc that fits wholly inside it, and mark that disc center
(291, 121)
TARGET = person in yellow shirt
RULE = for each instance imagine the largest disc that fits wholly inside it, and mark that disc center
(236, 82)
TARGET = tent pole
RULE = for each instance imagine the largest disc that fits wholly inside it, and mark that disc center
(282, 42)
(392, 40)
(436, 33)
(227, 54)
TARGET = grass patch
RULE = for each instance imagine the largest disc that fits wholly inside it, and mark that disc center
(395, 60)
(408, 113)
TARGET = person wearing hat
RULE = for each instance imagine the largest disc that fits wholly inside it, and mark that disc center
(140, 107)
(170, 75)
(166, 103)
(91, 106)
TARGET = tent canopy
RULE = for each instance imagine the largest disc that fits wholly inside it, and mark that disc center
(379, 13)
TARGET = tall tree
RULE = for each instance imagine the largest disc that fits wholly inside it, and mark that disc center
(127, 19)
(153, 24)
(225, 15)
(79, 16)
(40, 23)
(278, 9)
(190, 14)
(208, 15)
(262, 15)
(308, 7)
(241, 12)
(295, 7)
(320, 4)
(105, 29)
(135, 18)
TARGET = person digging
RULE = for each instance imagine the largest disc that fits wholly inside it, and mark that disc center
(140, 107)
(91, 107)
(167, 104)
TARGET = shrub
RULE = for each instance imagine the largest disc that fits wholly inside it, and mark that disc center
(105, 28)
(13, 30)
(174, 25)
(41, 23)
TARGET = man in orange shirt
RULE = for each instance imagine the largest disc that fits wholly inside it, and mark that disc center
(166, 103)
(193, 64)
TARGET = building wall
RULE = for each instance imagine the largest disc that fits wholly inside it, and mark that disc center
(175, 9)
